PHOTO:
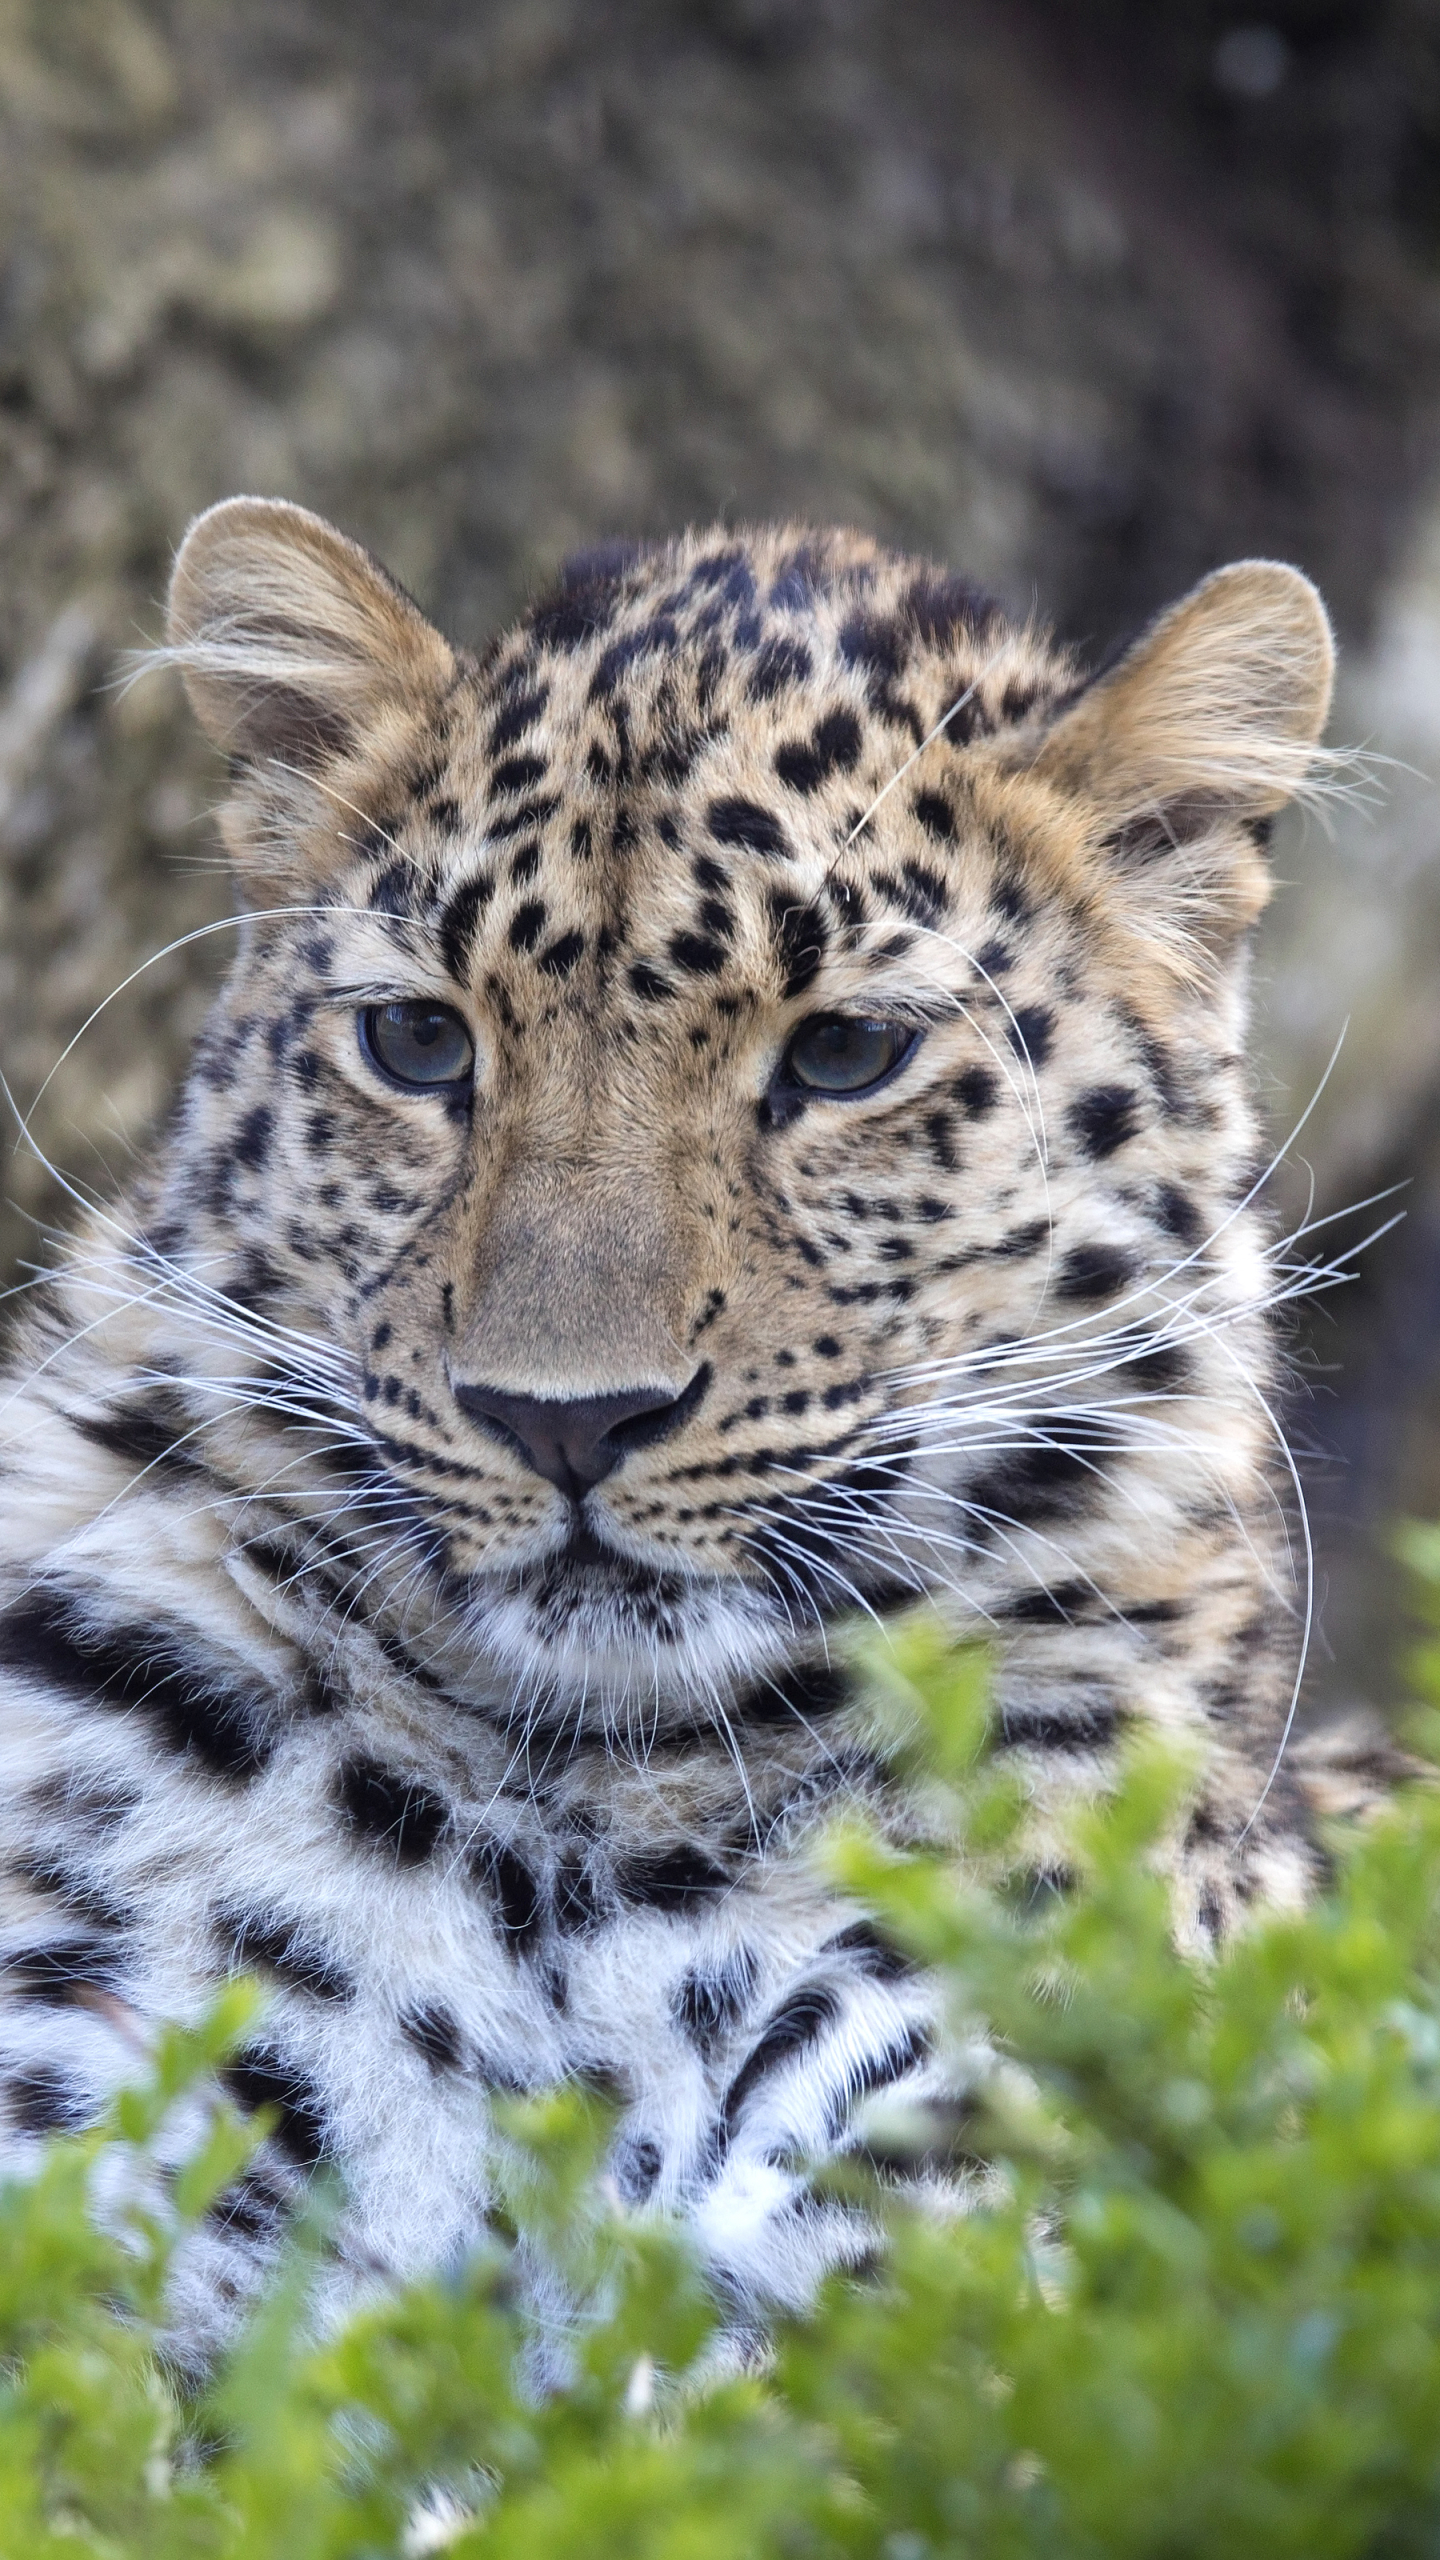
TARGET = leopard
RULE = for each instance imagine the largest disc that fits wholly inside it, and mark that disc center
(729, 1120)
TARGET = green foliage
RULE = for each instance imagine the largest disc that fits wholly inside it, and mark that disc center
(1195, 2309)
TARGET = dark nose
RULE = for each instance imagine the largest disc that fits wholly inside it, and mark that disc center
(576, 1442)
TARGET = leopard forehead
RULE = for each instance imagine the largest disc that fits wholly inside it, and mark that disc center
(693, 772)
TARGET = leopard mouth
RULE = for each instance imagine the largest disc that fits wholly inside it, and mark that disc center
(589, 1570)
(612, 1627)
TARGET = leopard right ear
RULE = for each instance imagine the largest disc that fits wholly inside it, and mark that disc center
(302, 658)
(1177, 755)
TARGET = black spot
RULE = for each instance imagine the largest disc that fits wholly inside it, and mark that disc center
(1178, 1214)
(151, 1430)
(745, 823)
(1160, 1065)
(459, 920)
(878, 2070)
(1057, 1607)
(1018, 699)
(673, 758)
(1094, 1271)
(1021, 1241)
(251, 2209)
(727, 573)
(518, 773)
(434, 2031)
(874, 1954)
(1160, 1371)
(562, 955)
(876, 646)
(1091, 1727)
(698, 953)
(254, 1938)
(1010, 899)
(582, 841)
(793, 2028)
(516, 1892)
(941, 608)
(1104, 1118)
(977, 1090)
(833, 747)
(62, 1972)
(524, 864)
(654, 637)
(396, 892)
(801, 934)
(638, 2164)
(1031, 1032)
(192, 1707)
(569, 620)
(75, 1892)
(40, 2099)
(647, 982)
(707, 2001)
(923, 892)
(800, 579)
(940, 1133)
(523, 819)
(261, 2077)
(1032, 1485)
(385, 1806)
(935, 816)
(794, 1696)
(527, 924)
(778, 663)
(252, 1138)
(516, 718)
(671, 1882)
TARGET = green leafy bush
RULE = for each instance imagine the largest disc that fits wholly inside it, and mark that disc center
(1195, 2311)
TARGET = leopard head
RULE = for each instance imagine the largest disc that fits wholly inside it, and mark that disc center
(729, 1109)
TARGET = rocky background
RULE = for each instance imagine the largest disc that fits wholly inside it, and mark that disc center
(1084, 300)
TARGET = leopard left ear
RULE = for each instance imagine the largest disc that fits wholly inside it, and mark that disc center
(307, 663)
(1212, 717)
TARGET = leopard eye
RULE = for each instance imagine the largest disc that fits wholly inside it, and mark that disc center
(843, 1053)
(417, 1044)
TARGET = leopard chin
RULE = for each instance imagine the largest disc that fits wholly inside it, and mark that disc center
(599, 1642)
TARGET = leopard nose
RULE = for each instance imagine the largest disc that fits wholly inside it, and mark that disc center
(575, 1442)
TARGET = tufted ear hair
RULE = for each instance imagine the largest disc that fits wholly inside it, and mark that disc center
(293, 642)
(1211, 717)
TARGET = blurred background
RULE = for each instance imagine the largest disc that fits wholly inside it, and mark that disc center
(1083, 299)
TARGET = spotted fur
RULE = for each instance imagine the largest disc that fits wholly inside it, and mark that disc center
(309, 1671)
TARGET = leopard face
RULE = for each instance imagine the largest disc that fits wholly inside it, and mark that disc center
(726, 1103)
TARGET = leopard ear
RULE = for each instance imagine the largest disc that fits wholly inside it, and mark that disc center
(293, 642)
(1207, 725)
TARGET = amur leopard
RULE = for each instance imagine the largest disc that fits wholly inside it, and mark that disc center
(729, 1112)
